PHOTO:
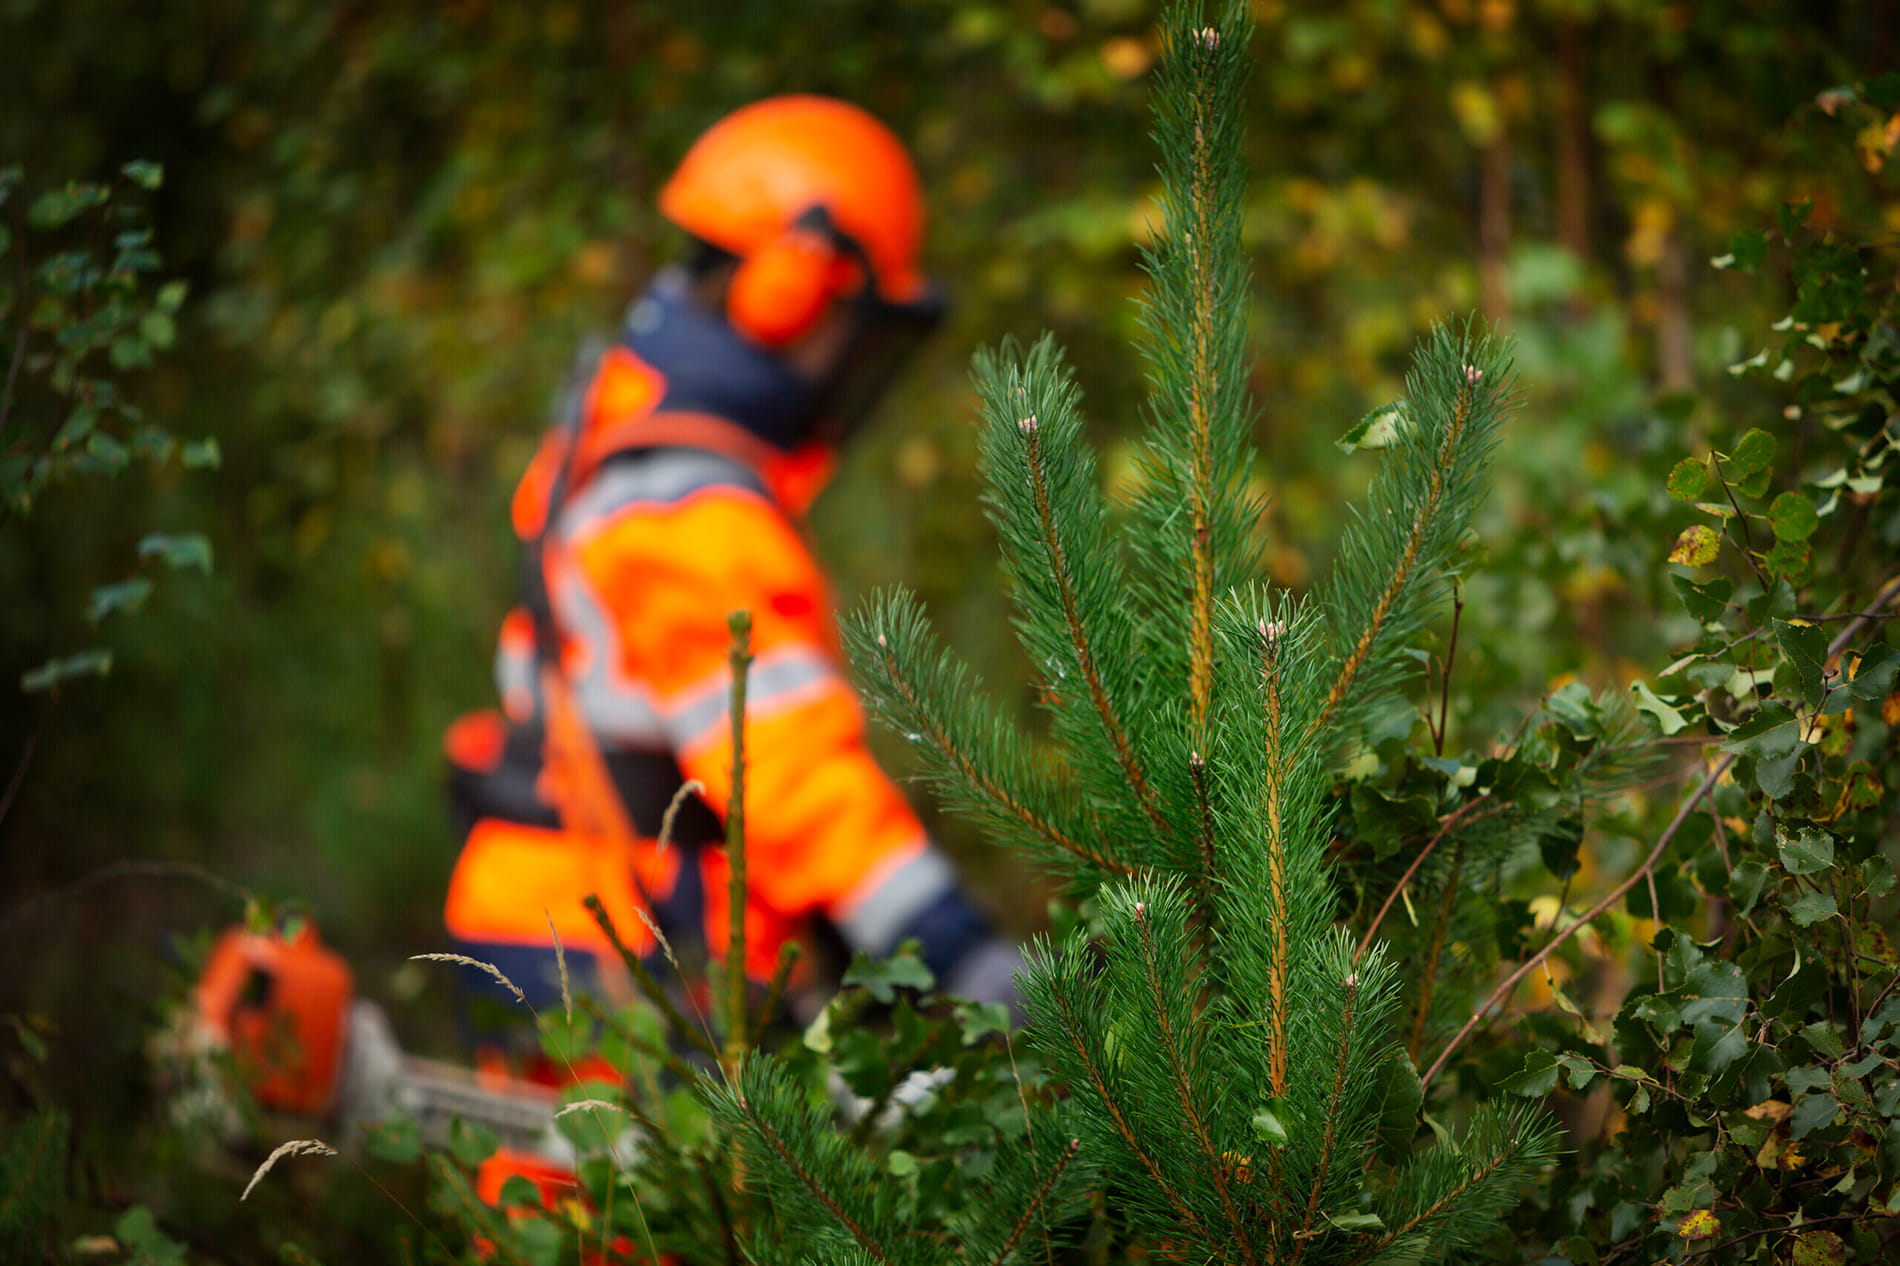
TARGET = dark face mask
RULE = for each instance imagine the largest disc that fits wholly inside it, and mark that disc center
(884, 337)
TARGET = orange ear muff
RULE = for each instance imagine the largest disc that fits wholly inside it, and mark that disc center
(782, 290)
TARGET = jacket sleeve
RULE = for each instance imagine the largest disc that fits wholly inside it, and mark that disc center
(827, 831)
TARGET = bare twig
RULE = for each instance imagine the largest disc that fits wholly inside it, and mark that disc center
(1444, 828)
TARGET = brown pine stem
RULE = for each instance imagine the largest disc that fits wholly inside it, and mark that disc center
(1204, 812)
(740, 659)
(1440, 930)
(1329, 1141)
(981, 780)
(1451, 658)
(811, 1183)
(1078, 635)
(1408, 561)
(1036, 1202)
(1201, 387)
(1184, 1084)
(1276, 779)
(1072, 1030)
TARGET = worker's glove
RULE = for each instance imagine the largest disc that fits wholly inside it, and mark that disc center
(986, 972)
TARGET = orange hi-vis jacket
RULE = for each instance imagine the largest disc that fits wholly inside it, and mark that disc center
(665, 521)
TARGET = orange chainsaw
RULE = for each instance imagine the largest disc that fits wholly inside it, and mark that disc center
(282, 1009)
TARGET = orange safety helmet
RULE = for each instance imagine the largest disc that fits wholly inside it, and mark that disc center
(807, 192)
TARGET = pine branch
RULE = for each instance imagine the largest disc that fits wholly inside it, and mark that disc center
(1049, 998)
(790, 1160)
(1274, 793)
(1459, 388)
(1184, 1081)
(1036, 1202)
(1201, 196)
(1070, 592)
(933, 701)
(1453, 1195)
(815, 1177)
(1335, 1104)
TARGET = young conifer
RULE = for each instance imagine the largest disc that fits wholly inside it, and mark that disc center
(1225, 1048)
(1224, 1045)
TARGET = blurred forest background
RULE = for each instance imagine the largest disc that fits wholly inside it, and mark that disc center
(397, 220)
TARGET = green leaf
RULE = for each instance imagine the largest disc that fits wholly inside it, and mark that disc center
(1697, 546)
(537, 1241)
(158, 329)
(882, 980)
(1825, 1039)
(1809, 908)
(179, 550)
(1815, 1112)
(1752, 452)
(1808, 852)
(171, 295)
(127, 596)
(57, 207)
(1538, 1077)
(1378, 429)
(1770, 733)
(1267, 1125)
(1788, 559)
(1708, 603)
(395, 1141)
(901, 1163)
(138, 1231)
(1358, 1222)
(1580, 1071)
(200, 454)
(1748, 249)
(1805, 645)
(1793, 517)
(146, 174)
(1819, 1248)
(1668, 719)
(1689, 480)
(471, 1142)
(1874, 675)
(1745, 885)
(94, 663)
(1755, 482)
(519, 1193)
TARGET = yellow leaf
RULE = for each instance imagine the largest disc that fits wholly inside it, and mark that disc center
(1700, 1225)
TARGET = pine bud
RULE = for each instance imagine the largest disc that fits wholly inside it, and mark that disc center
(1028, 424)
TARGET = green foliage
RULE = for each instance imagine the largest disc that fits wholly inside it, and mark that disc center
(1750, 1063)
(78, 287)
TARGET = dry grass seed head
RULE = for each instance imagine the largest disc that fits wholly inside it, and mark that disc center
(466, 961)
(296, 1147)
